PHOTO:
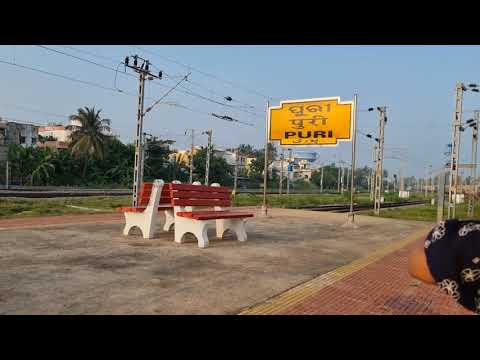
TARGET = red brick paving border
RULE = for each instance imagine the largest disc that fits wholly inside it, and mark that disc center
(381, 288)
(27, 222)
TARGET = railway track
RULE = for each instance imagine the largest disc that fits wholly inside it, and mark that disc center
(336, 208)
(65, 192)
(61, 193)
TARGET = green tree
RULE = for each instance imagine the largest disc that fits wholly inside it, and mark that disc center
(177, 171)
(116, 167)
(31, 165)
(43, 167)
(19, 162)
(361, 178)
(157, 163)
(67, 168)
(258, 164)
(88, 139)
(330, 177)
(220, 172)
(246, 150)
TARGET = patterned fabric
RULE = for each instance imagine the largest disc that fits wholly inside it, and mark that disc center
(452, 249)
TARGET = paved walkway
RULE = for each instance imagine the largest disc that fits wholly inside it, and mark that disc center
(375, 285)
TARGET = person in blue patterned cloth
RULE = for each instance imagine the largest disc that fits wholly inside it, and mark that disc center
(450, 257)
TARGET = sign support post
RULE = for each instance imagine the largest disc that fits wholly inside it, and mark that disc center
(354, 150)
(265, 169)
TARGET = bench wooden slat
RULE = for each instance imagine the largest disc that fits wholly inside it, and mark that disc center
(163, 200)
(212, 215)
(202, 188)
(200, 202)
(199, 195)
(148, 191)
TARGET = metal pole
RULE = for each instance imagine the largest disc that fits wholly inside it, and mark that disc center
(235, 176)
(321, 181)
(441, 195)
(342, 178)
(372, 174)
(288, 170)
(473, 181)
(191, 156)
(338, 179)
(137, 173)
(265, 169)
(354, 140)
(209, 149)
(144, 148)
(453, 178)
(7, 175)
(379, 161)
(431, 188)
(425, 183)
(368, 184)
(347, 170)
(280, 185)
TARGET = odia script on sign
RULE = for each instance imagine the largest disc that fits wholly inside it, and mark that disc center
(324, 121)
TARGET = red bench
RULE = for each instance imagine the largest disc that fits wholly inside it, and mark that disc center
(186, 199)
(141, 216)
(145, 192)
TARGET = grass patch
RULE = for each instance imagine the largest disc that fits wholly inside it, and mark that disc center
(297, 200)
(422, 212)
(15, 207)
(10, 208)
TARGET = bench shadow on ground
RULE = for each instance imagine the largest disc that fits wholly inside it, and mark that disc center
(162, 238)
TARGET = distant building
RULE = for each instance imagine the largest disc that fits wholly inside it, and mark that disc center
(231, 157)
(16, 133)
(301, 165)
(183, 156)
(57, 136)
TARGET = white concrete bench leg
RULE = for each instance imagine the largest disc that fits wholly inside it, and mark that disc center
(220, 228)
(169, 220)
(235, 225)
(196, 227)
(144, 223)
(146, 220)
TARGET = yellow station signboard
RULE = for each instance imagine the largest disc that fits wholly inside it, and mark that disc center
(311, 122)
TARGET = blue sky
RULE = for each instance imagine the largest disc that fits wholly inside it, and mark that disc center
(416, 83)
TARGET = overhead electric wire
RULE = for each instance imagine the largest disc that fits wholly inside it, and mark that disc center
(102, 87)
(188, 92)
(76, 57)
(231, 83)
(68, 78)
(211, 114)
(166, 94)
(35, 110)
(223, 96)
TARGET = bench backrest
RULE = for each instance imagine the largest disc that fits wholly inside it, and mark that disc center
(199, 195)
(146, 191)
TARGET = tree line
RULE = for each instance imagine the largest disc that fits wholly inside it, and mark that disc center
(94, 158)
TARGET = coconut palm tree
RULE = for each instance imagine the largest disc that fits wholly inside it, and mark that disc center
(43, 168)
(88, 135)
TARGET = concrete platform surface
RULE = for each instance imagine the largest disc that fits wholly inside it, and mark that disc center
(90, 268)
